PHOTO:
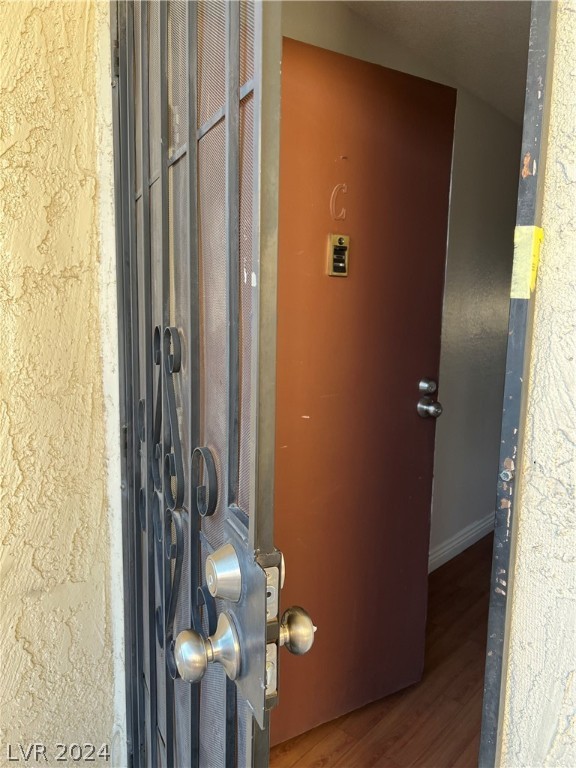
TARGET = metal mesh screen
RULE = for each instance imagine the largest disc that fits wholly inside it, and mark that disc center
(213, 289)
(156, 280)
(161, 752)
(160, 670)
(177, 73)
(246, 41)
(211, 58)
(212, 726)
(180, 296)
(156, 255)
(243, 733)
(137, 96)
(212, 708)
(154, 85)
(142, 385)
(180, 318)
(247, 278)
(247, 290)
(182, 690)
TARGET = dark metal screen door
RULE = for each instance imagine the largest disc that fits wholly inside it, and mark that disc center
(187, 123)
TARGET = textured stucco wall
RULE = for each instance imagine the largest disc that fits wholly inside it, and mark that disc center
(60, 637)
(539, 715)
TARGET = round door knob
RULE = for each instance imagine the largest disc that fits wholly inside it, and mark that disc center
(193, 653)
(428, 386)
(428, 408)
(297, 630)
(223, 575)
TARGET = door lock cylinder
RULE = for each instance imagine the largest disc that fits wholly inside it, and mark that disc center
(223, 574)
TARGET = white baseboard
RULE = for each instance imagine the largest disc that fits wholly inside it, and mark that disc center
(459, 542)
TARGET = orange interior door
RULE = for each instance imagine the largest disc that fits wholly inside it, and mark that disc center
(365, 152)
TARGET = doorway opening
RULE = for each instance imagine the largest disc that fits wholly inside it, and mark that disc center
(435, 723)
(478, 50)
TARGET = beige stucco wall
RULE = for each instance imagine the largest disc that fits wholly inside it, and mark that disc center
(61, 589)
(539, 715)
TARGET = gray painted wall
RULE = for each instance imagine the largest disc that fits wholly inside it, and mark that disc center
(474, 326)
(479, 262)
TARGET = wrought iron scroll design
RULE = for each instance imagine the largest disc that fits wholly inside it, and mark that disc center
(205, 499)
(169, 486)
(173, 464)
(169, 482)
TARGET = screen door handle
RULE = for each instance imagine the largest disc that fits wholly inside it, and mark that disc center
(193, 653)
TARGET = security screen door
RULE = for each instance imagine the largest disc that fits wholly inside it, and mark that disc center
(203, 577)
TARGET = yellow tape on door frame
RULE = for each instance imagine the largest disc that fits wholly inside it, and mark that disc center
(527, 242)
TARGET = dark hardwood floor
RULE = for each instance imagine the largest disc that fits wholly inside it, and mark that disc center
(435, 723)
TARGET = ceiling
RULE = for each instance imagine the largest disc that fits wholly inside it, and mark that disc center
(481, 46)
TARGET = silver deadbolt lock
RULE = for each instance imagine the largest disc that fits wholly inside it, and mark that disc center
(193, 653)
(427, 386)
(223, 575)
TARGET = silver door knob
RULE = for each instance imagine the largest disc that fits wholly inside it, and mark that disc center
(223, 575)
(427, 386)
(428, 407)
(193, 653)
(297, 630)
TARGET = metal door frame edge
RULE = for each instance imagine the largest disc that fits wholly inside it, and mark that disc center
(529, 209)
(123, 278)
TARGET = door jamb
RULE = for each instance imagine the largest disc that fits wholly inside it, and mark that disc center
(529, 209)
(123, 281)
(518, 357)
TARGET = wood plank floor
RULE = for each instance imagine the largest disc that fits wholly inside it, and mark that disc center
(435, 723)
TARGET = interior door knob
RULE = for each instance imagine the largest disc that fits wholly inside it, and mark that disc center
(427, 386)
(193, 653)
(297, 630)
(428, 407)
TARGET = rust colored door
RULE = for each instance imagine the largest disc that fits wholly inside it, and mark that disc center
(365, 152)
